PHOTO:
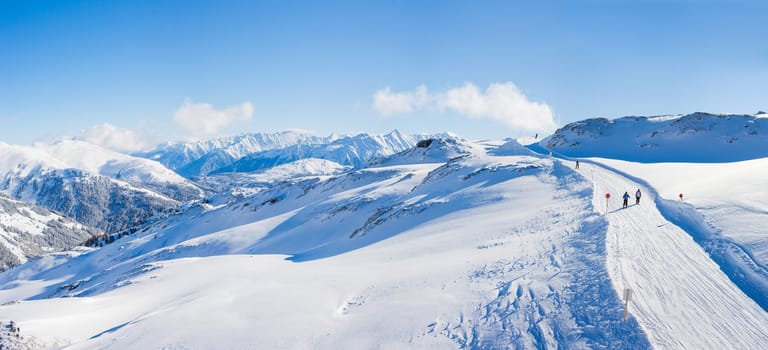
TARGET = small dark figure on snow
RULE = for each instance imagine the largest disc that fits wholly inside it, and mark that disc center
(637, 197)
(626, 199)
(577, 164)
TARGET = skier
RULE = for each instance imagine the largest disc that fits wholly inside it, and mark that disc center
(626, 199)
(637, 197)
(577, 164)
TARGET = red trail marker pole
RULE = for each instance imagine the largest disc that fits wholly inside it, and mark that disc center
(607, 197)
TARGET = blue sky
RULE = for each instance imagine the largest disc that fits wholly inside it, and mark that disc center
(482, 69)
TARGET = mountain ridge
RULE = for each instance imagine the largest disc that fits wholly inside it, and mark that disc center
(671, 138)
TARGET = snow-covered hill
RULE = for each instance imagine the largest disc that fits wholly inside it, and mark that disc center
(28, 231)
(697, 137)
(95, 186)
(714, 161)
(480, 250)
(447, 244)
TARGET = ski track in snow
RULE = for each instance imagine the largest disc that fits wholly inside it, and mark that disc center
(679, 296)
(556, 295)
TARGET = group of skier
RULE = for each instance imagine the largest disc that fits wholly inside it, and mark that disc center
(626, 195)
(626, 198)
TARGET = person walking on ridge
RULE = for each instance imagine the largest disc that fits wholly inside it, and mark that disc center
(637, 197)
(626, 199)
(577, 164)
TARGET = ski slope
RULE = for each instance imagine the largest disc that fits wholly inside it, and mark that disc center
(456, 245)
(731, 197)
(680, 297)
(491, 249)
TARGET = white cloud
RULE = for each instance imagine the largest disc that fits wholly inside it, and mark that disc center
(203, 118)
(116, 138)
(387, 103)
(500, 102)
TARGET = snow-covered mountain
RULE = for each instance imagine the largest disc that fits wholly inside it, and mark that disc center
(226, 186)
(353, 151)
(136, 171)
(259, 151)
(446, 244)
(191, 159)
(428, 150)
(28, 231)
(697, 137)
(97, 187)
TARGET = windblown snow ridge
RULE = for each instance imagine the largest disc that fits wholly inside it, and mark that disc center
(728, 138)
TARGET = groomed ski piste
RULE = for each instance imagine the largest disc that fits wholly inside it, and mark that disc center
(675, 287)
(460, 245)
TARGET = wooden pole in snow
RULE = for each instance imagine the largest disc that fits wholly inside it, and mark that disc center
(627, 293)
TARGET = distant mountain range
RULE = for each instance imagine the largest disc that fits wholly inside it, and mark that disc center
(353, 151)
(203, 157)
(259, 151)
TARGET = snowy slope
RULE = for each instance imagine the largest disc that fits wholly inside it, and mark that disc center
(674, 284)
(732, 197)
(484, 250)
(697, 137)
(449, 244)
(28, 231)
(725, 209)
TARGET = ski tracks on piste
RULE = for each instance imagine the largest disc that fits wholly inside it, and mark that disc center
(678, 295)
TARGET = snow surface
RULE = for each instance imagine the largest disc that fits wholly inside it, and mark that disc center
(450, 245)
(478, 251)
(732, 197)
(674, 284)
